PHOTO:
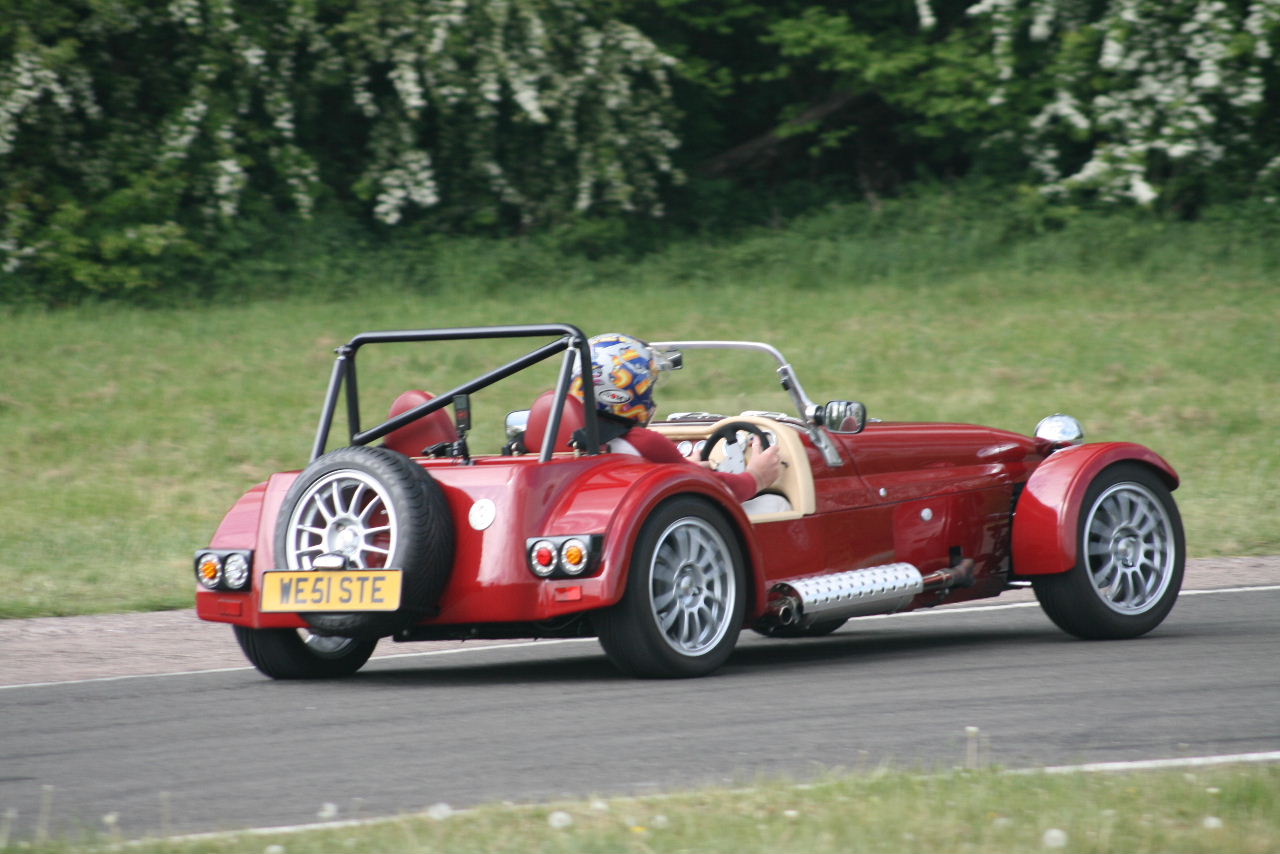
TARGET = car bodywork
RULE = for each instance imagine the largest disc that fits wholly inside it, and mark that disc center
(878, 516)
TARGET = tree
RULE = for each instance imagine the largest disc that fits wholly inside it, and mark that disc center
(131, 130)
(1150, 102)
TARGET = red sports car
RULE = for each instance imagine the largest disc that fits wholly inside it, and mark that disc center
(405, 534)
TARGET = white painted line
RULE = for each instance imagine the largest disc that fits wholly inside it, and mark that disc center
(974, 609)
(1229, 590)
(547, 642)
(122, 678)
(923, 612)
(1156, 764)
(291, 828)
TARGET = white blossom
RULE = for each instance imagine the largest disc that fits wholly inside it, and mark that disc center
(229, 180)
(924, 13)
(1141, 191)
(1168, 79)
(187, 12)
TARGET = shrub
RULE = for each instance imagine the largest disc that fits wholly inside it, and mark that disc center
(130, 131)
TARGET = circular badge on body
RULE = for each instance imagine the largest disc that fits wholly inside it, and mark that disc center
(482, 514)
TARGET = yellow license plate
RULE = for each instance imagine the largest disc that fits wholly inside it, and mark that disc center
(331, 590)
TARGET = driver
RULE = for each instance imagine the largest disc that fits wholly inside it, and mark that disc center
(624, 372)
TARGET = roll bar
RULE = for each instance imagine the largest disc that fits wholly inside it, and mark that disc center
(570, 340)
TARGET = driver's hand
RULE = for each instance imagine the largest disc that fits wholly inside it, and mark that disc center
(765, 465)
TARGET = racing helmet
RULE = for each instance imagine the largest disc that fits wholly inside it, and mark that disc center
(624, 371)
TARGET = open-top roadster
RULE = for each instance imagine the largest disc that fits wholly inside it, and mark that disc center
(404, 533)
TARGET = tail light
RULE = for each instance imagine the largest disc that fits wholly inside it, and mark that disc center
(564, 557)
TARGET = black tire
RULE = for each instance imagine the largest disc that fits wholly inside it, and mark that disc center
(686, 571)
(393, 514)
(820, 629)
(286, 654)
(1132, 553)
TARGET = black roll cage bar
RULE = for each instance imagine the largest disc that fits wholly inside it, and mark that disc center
(570, 340)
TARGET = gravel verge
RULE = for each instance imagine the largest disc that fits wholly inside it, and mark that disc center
(57, 649)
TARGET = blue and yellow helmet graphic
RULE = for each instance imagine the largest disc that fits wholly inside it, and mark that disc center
(624, 372)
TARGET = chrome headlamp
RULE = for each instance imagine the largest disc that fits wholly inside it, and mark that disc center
(1060, 429)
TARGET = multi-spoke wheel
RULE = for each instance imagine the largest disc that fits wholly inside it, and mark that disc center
(1130, 562)
(692, 586)
(377, 509)
(300, 654)
(685, 596)
(345, 512)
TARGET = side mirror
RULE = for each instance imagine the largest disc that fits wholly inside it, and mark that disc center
(517, 423)
(669, 360)
(843, 416)
(462, 413)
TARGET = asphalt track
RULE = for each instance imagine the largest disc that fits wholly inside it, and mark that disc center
(229, 749)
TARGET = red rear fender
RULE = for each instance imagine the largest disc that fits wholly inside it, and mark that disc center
(630, 507)
(249, 524)
(1047, 519)
(239, 528)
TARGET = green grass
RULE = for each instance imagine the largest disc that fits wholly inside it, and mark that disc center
(129, 432)
(1221, 809)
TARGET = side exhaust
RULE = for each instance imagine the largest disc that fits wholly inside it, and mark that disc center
(800, 602)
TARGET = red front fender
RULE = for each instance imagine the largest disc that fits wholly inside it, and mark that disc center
(1046, 521)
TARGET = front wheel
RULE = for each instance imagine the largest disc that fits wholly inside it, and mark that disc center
(1132, 553)
(685, 597)
(300, 654)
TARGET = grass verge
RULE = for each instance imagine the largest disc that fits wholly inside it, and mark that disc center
(1208, 810)
(129, 432)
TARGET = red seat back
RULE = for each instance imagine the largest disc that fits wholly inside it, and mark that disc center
(412, 439)
(540, 417)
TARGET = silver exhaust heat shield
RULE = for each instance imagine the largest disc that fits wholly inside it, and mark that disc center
(800, 602)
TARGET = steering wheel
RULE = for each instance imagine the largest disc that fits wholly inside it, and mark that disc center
(728, 432)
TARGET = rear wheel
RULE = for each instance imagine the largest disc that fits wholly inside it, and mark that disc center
(300, 654)
(685, 597)
(1132, 553)
(378, 509)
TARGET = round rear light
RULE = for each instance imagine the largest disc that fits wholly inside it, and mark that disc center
(209, 571)
(573, 556)
(542, 558)
(235, 571)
